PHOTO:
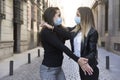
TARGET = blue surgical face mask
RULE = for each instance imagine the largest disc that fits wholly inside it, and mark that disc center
(77, 20)
(58, 21)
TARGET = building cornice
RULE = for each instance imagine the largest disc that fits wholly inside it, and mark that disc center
(95, 4)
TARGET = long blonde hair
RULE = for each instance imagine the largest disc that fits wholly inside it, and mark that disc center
(87, 21)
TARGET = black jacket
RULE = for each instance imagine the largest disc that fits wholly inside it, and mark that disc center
(53, 48)
(88, 46)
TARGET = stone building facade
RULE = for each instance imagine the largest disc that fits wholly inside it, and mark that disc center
(107, 20)
(19, 25)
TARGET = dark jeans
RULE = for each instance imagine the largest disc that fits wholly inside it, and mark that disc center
(95, 75)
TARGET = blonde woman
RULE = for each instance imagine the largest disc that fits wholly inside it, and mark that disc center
(88, 38)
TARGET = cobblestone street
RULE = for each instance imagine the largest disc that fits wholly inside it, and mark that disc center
(31, 71)
(26, 26)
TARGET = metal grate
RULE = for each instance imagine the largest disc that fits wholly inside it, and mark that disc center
(102, 44)
(117, 46)
(18, 11)
(2, 9)
(0, 5)
(106, 15)
(119, 15)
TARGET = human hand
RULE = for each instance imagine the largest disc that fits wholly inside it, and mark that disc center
(87, 69)
(44, 24)
(82, 61)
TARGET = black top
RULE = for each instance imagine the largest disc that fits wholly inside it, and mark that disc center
(89, 47)
(53, 49)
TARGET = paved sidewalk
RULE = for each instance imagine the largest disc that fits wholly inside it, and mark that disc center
(26, 72)
(114, 72)
(31, 71)
(19, 59)
(72, 69)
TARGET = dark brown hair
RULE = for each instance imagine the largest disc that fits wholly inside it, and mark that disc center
(49, 15)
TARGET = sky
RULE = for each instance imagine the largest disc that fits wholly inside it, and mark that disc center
(70, 7)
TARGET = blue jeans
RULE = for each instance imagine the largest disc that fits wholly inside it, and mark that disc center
(51, 73)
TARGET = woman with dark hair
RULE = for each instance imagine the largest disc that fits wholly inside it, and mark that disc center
(54, 47)
(84, 38)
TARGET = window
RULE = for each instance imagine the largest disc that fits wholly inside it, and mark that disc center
(119, 15)
(0, 19)
(102, 44)
(2, 13)
(38, 16)
(43, 2)
(117, 46)
(33, 12)
(18, 11)
(106, 16)
(0, 5)
(38, 1)
(2, 9)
